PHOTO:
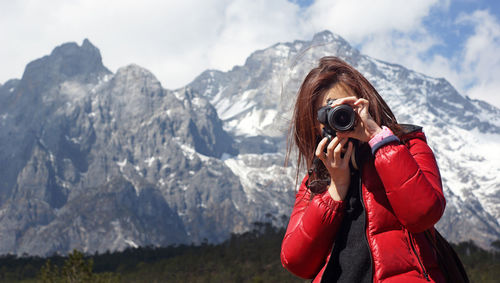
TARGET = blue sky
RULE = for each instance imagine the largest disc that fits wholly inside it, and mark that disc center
(177, 40)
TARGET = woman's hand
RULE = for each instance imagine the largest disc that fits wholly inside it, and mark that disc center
(366, 127)
(337, 166)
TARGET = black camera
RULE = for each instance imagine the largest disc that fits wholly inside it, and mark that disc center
(340, 118)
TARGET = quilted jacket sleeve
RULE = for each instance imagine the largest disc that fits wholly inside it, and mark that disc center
(310, 232)
(412, 182)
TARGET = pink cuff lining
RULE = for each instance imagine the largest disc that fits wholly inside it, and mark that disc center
(386, 132)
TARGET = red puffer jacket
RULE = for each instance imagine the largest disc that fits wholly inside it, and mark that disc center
(403, 197)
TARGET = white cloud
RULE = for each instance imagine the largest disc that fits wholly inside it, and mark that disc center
(390, 30)
(177, 40)
(251, 25)
(394, 31)
(481, 57)
(474, 71)
(402, 48)
(356, 20)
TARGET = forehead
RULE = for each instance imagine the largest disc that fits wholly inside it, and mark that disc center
(337, 91)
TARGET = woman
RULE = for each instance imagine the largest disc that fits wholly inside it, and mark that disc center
(370, 192)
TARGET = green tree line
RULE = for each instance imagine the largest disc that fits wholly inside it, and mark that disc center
(248, 257)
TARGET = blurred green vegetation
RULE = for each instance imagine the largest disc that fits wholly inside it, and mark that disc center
(248, 257)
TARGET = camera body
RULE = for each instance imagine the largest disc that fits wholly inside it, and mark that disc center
(340, 118)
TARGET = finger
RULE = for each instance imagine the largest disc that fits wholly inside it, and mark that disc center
(348, 153)
(356, 134)
(345, 135)
(361, 104)
(344, 100)
(338, 149)
(319, 150)
(361, 101)
(329, 150)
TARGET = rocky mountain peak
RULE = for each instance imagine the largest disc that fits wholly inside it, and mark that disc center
(86, 44)
(66, 62)
(133, 72)
(136, 90)
(327, 36)
(254, 101)
(100, 162)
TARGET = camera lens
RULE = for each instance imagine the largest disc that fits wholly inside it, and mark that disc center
(341, 118)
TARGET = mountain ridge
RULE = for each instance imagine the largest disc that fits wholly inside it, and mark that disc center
(92, 154)
(445, 114)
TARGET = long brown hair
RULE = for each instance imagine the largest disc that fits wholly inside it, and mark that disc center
(330, 71)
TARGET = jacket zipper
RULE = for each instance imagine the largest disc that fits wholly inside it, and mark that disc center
(418, 258)
(360, 186)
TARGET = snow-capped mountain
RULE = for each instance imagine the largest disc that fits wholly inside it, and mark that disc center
(101, 161)
(255, 102)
